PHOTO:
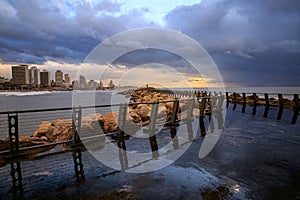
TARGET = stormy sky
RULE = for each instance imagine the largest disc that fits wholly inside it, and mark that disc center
(253, 43)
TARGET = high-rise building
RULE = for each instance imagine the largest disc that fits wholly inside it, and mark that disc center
(67, 79)
(111, 84)
(101, 84)
(34, 76)
(58, 78)
(92, 84)
(45, 77)
(82, 82)
(20, 74)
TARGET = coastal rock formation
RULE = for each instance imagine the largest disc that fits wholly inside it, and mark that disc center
(287, 103)
(138, 115)
(60, 130)
(42, 129)
(140, 112)
(110, 122)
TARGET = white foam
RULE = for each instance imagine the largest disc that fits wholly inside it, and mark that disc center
(31, 93)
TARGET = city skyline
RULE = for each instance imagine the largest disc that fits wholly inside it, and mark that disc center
(24, 76)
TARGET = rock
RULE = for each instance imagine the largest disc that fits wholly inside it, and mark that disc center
(110, 122)
(4, 145)
(144, 112)
(42, 129)
(91, 121)
(134, 116)
(60, 130)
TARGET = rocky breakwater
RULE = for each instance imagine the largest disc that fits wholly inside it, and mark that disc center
(141, 103)
(50, 132)
(260, 101)
(138, 115)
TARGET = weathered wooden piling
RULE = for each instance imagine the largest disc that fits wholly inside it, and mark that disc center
(267, 106)
(254, 104)
(227, 100)
(173, 121)
(234, 101)
(296, 109)
(122, 118)
(201, 116)
(174, 137)
(123, 155)
(280, 106)
(244, 103)
(152, 130)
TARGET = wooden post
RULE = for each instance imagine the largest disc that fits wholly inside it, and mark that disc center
(173, 133)
(267, 106)
(202, 106)
(213, 103)
(201, 117)
(220, 103)
(173, 120)
(153, 117)
(190, 110)
(123, 155)
(296, 109)
(234, 101)
(151, 131)
(122, 118)
(244, 103)
(254, 105)
(202, 126)
(280, 109)
(227, 100)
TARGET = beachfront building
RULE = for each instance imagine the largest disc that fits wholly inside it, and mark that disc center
(20, 75)
(34, 76)
(92, 84)
(58, 78)
(111, 85)
(45, 78)
(67, 80)
(101, 85)
(82, 82)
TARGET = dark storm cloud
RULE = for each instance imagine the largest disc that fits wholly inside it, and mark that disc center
(149, 55)
(35, 31)
(252, 42)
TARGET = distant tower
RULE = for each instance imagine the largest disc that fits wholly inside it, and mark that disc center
(111, 84)
(101, 85)
(45, 77)
(67, 79)
(82, 82)
(34, 76)
(58, 78)
(20, 74)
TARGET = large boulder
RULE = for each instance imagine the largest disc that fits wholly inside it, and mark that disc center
(110, 122)
(144, 112)
(61, 130)
(42, 129)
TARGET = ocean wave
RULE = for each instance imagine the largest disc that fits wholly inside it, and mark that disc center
(31, 93)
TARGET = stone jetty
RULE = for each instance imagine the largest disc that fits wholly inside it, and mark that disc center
(138, 114)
